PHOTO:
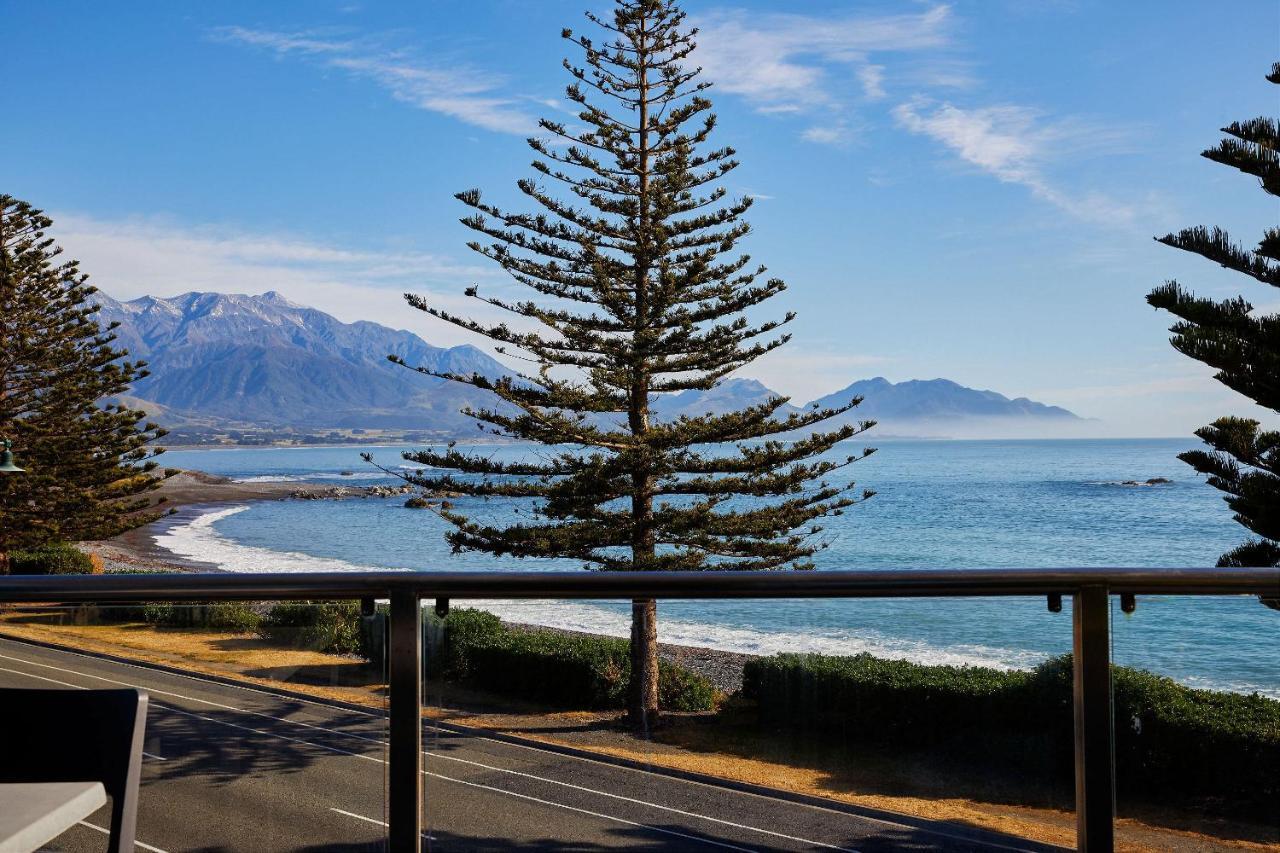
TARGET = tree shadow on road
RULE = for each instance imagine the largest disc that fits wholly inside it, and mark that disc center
(221, 746)
(671, 838)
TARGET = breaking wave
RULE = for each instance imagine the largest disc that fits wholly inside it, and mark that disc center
(198, 540)
(336, 476)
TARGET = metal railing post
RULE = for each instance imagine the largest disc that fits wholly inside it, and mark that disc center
(1094, 721)
(404, 658)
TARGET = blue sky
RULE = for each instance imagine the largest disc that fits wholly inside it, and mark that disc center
(965, 190)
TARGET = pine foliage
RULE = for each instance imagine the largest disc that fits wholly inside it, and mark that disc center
(1242, 345)
(656, 300)
(88, 461)
(638, 289)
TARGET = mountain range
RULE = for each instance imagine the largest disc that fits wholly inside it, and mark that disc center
(263, 361)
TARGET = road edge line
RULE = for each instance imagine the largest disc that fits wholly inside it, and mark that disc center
(974, 835)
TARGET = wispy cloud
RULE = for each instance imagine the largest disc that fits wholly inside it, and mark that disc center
(872, 79)
(1014, 143)
(138, 257)
(791, 62)
(461, 92)
(838, 134)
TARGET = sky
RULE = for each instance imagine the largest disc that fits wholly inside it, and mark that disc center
(964, 190)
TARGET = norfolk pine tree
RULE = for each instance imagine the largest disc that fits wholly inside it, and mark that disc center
(1243, 346)
(644, 295)
(87, 460)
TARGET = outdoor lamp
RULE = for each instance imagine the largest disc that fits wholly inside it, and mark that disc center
(6, 459)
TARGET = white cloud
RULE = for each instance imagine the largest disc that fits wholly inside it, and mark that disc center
(467, 94)
(138, 257)
(828, 135)
(783, 62)
(1173, 396)
(1013, 144)
(872, 79)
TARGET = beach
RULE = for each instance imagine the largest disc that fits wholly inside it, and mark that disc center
(193, 493)
(188, 494)
(1041, 504)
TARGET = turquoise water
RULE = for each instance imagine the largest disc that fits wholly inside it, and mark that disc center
(957, 504)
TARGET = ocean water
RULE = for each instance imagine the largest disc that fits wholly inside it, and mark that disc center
(940, 504)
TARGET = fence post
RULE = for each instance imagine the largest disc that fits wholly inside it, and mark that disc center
(404, 665)
(1094, 721)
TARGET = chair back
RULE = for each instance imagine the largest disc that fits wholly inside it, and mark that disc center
(78, 736)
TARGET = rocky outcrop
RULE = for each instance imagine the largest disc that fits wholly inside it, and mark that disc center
(339, 492)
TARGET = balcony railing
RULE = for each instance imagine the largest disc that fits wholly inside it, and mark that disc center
(1089, 589)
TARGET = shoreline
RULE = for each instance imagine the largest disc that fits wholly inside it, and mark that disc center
(190, 494)
(196, 493)
(193, 494)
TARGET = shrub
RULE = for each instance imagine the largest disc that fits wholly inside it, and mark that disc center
(1173, 743)
(682, 690)
(554, 668)
(448, 641)
(551, 668)
(57, 558)
(217, 616)
(322, 626)
(873, 700)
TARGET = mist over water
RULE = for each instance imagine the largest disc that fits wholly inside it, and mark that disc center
(941, 504)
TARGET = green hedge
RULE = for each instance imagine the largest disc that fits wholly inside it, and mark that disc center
(1173, 743)
(554, 668)
(218, 616)
(55, 559)
(872, 700)
(322, 626)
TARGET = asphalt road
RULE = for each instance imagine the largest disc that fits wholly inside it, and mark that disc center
(242, 769)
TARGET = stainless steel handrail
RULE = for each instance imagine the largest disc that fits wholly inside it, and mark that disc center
(897, 583)
(1090, 590)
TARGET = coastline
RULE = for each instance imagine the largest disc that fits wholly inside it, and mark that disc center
(190, 494)
(194, 493)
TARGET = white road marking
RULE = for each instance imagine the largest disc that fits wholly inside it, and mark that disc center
(154, 757)
(383, 743)
(710, 841)
(461, 781)
(297, 740)
(203, 680)
(136, 842)
(502, 742)
(643, 803)
(170, 693)
(581, 788)
(42, 678)
(359, 816)
(427, 773)
(425, 835)
(473, 734)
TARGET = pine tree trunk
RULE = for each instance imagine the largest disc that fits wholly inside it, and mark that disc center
(642, 700)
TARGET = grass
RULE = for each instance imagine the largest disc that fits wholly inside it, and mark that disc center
(730, 748)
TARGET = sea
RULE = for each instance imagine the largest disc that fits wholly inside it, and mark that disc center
(938, 504)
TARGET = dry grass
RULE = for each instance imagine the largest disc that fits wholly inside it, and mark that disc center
(248, 658)
(687, 742)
